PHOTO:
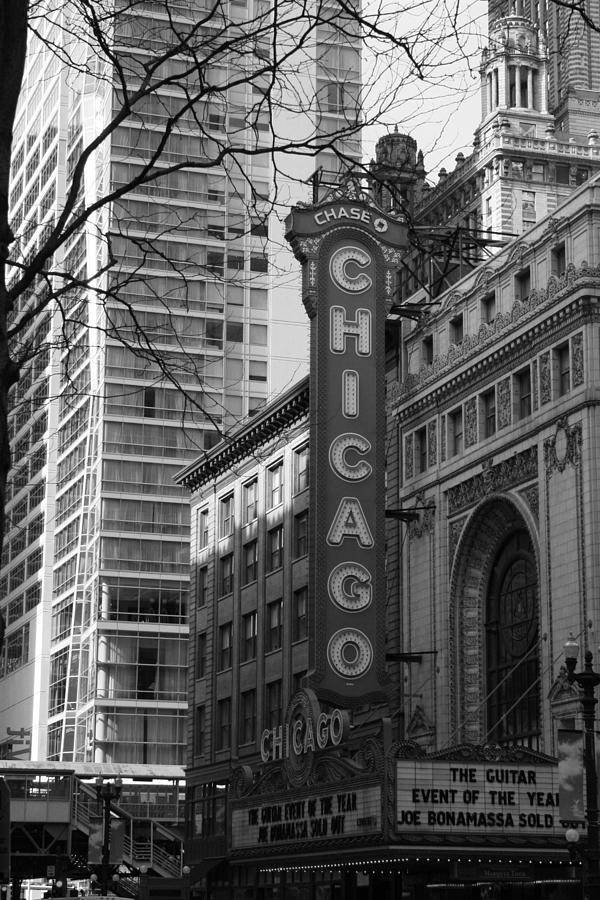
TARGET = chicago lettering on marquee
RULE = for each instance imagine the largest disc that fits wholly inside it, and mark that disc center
(349, 254)
(301, 736)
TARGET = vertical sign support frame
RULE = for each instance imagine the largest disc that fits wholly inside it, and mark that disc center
(349, 251)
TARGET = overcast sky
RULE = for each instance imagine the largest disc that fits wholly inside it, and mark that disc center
(442, 111)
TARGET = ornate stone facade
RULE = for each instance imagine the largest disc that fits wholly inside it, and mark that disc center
(494, 479)
(503, 400)
(577, 370)
(432, 443)
(585, 276)
(563, 449)
(545, 379)
(516, 467)
(471, 422)
(408, 456)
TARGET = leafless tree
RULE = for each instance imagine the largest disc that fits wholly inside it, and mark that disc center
(170, 92)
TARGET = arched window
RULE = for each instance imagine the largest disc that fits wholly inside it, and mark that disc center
(512, 654)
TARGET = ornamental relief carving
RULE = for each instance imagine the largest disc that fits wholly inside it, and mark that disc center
(392, 394)
(545, 379)
(471, 422)
(531, 497)
(493, 479)
(329, 767)
(519, 252)
(503, 408)
(564, 449)
(555, 224)
(392, 256)
(408, 456)
(562, 691)
(453, 299)
(443, 439)
(577, 371)
(425, 524)
(389, 286)
(518, 309)
(473, 732)
(473, 679)
(432, 444)
(483, 278)
(309, 246)
(454, 534)
(503, 322)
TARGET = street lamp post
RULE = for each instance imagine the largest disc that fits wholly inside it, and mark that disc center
(107, 792)
(186, 882)
(143, 882)
(588, 680)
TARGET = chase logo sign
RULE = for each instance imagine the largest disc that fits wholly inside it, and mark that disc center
(356, 213)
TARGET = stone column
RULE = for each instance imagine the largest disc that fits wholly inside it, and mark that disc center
(542, 81)
(530, 96)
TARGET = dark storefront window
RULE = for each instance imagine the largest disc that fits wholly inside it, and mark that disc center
(209, 810)
(512, 660)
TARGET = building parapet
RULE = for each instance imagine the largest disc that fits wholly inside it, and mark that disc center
(284, 411)
(487, 335)
(502, 141)
(546, 146)
(448, 182)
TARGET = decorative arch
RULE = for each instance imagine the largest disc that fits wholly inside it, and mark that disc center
(484, 534)
(519, 252)
(484, 282)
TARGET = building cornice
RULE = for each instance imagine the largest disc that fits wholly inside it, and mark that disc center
(448, 184)
(503, 144)
(546, 148)
(453, 471)
(405, 399)
(286, 410)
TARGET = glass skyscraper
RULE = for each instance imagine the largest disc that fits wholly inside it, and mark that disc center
(95, 573)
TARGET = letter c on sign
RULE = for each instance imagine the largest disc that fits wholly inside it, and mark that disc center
(342, 268)
(297, 737)
(338, 457)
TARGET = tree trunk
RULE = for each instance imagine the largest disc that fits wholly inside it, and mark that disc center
(13, 47)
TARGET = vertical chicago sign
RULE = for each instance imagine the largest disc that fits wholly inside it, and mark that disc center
(349, 252)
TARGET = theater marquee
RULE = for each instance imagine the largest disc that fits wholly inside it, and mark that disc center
(439, 797)
(333, 813)
(349, 254)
